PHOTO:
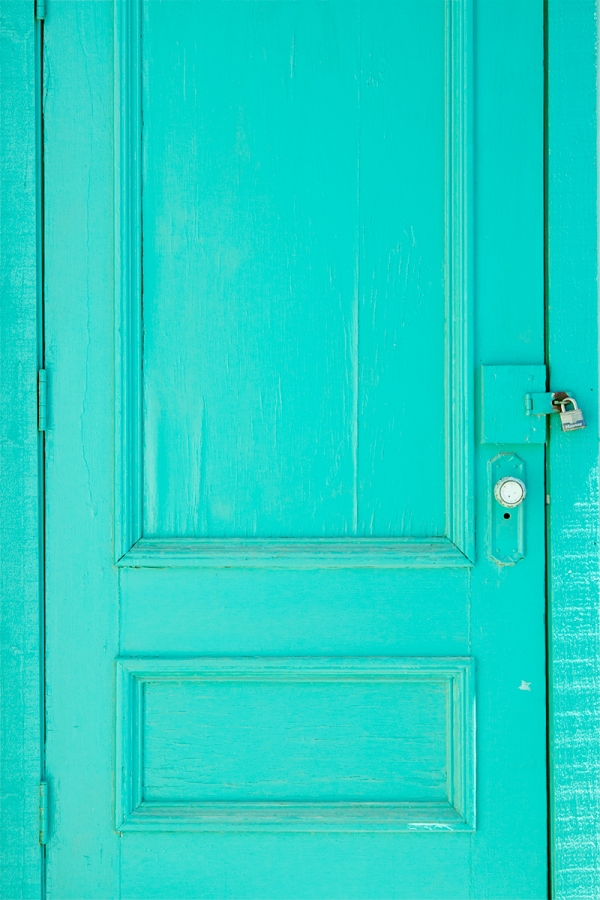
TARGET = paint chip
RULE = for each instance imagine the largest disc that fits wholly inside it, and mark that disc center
(525, 686)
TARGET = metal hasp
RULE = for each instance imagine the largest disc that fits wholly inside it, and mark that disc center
(515, 403)
(506, 529)
(543, 404)
(556, 402)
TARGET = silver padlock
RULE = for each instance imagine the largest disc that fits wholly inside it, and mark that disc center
(570, 419)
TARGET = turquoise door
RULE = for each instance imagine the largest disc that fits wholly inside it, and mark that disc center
(294, 304)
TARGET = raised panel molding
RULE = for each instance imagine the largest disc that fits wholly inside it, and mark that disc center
(297, 553)
(451, 678)
(456, 546)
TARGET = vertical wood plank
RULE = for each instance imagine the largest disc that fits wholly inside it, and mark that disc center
(574, 532)
(295, 166)
(249, 211)
(401, 270)
(20, 856)
(507, 624)
(81, 593)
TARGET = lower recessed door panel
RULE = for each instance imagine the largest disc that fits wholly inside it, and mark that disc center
(300, 744)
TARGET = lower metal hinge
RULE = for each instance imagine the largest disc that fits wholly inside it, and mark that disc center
(43, 812)
(42, 399)
(40, 9)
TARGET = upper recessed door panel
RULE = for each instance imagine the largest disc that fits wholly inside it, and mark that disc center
(300, 277)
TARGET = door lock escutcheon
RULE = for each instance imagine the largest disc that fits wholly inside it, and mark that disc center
(506, 535)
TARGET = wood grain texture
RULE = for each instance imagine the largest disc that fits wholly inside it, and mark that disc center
(20, 703)
(127, 276)
(505, 388)
(301, 744)
(573, 458)
(173, 611)
(297, 554)
(81, 584)
(249, 378)
(507, 608)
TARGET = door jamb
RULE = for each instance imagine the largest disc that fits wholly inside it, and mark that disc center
(21, 455)
(573, 513)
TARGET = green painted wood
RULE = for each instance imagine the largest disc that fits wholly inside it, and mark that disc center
(20, 695)
(509, 137)
(320, 727)
(299, 553)
(287, 201)
(80, 624)
(573, 465)
(362, 384)
(505, 389)
(263, 255)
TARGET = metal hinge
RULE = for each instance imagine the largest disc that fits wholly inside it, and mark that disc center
(43, 812)
(40, 9)
(42, 399)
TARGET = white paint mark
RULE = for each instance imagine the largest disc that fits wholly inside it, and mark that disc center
(525, 686)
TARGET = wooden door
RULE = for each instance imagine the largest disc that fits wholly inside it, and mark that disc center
(294, 305)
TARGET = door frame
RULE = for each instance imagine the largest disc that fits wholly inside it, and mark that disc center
(573, 512)
(21, 453)
(573, 473)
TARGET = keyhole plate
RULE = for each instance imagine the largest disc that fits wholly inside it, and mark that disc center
(506, 542)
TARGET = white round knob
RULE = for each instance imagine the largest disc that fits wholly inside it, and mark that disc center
(509, 491)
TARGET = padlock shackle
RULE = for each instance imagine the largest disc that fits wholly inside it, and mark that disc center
(563, 403)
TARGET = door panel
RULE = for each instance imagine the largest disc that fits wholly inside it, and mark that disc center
(281, 240)
(266, 426)
(302, 744)
(307, 263)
